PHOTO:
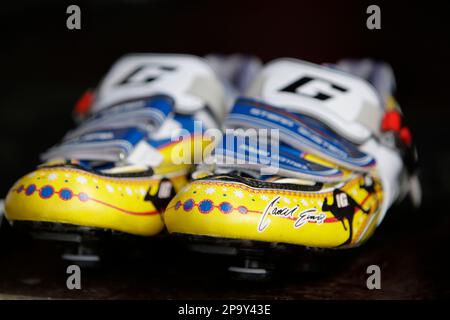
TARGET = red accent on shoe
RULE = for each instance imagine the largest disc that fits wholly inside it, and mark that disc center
(405, 136)
(84, 103)
(392, 121)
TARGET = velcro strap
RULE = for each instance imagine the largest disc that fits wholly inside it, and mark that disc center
(300, 132)
(102, 145)
(189, 80)
(347, 104)
(146, 114)
(257, 154)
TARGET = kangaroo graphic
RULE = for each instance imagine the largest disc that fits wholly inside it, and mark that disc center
(343, 207)
(368, 184)
(161, 195)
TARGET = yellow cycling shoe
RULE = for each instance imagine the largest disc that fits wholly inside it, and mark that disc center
(70, 194)
(321, 215)
(311, 157)
(114, 172)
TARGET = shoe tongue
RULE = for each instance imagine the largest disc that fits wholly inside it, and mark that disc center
(347, 104)
(187, 79)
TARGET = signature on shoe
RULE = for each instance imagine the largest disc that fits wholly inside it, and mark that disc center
(305, 216)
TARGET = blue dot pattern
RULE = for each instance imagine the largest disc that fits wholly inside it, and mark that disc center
(225, 207)
(47, 192)
(66, 194)
(188, 205)
(205, 206)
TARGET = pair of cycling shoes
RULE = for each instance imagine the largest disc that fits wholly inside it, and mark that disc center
(311, 155)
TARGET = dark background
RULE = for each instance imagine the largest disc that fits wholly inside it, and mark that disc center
(44, 68)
